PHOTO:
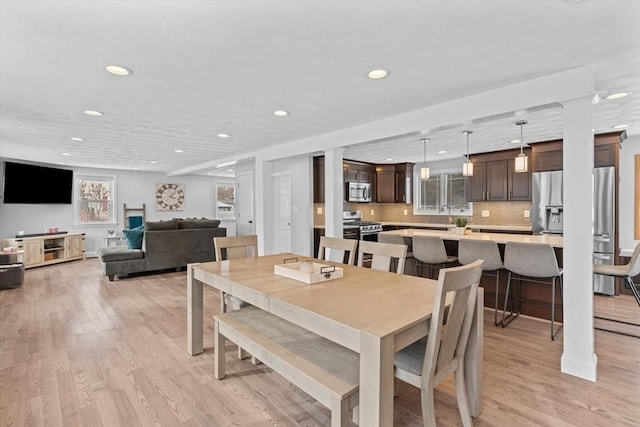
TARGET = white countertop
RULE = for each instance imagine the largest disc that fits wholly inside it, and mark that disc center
(553, 240)
(444, 225)
(472, 226)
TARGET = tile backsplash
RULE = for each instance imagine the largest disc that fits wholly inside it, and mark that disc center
(500, 213)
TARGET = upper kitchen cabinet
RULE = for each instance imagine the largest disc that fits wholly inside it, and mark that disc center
(359, 172)
(394, 183)
(494, 179)
(318, 179)
(404, 182)
(547, 155)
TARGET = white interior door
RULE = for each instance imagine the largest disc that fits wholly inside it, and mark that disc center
(244, 204)
(281, 212)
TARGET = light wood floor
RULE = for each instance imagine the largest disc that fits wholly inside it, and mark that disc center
(78, 350)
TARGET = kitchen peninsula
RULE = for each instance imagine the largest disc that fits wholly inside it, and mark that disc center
(531, 291)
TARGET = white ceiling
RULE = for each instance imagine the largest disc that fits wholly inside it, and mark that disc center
(203, 68)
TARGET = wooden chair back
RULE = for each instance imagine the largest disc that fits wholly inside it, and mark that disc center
(382, 254)
(336, 245)
(236, 247)
(453, 310)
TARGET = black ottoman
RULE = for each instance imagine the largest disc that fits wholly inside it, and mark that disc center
(11, 275)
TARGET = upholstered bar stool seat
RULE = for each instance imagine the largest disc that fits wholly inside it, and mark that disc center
(430, 251)
(531, 260)
(487, 250)
(626, 271)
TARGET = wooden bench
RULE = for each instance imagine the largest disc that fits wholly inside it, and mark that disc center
(323, 369)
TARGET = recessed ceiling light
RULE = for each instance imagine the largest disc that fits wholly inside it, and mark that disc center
(75, 138)
(377, 74)
(389, 159)
(515, 141)
(621, 126)
(93, 113)
(442, 151)
(280, 113)
(229, 170)
(178, 151)
(618, 95)
(153, 161)
(223, 135)
(118, 70)
(66, 154)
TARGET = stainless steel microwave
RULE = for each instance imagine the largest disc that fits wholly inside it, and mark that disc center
(359, 191)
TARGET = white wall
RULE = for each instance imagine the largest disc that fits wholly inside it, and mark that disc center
(133, 188)
(301, 171)
(630, 147)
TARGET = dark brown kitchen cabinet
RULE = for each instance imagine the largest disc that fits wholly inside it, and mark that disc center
(359, 172)
(385, 180)
(318, 180)
(547, 155)
(494, 179)
(519, 182)
(404, 182)
(394, 183)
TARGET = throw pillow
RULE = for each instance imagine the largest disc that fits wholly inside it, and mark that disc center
(198, 223)
(134, 237)
(171, 224)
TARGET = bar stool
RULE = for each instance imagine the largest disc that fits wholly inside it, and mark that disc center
(430, 251)
(487, 250)
(626, 271)
(531, 260)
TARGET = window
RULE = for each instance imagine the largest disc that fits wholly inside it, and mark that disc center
(95, 200)
(444, 193)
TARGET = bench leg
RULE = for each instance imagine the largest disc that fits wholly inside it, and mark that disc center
(219, 343)
(340, 412)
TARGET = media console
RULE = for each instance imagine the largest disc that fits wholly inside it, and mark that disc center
(50, 248)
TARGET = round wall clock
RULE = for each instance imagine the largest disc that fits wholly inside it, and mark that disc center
(169, 197)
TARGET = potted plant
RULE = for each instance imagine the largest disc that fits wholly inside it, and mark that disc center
(461, 224)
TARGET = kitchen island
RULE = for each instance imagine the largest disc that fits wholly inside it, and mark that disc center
(531, 291)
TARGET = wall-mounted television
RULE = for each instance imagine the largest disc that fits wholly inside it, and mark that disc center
(33, 184)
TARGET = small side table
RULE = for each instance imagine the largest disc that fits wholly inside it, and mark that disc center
(114, 241)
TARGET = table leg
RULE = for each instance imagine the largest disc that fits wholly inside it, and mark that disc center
(474, 359)
(376, 380)
(194, 314)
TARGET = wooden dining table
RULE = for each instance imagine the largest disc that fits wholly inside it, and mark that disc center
(371, 312)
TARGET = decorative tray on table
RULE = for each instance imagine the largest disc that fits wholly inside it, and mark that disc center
(307, 271)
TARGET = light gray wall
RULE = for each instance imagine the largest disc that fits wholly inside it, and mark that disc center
(630, 147)
(133, 188)
(300, 168)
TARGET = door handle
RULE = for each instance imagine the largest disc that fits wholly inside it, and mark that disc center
(250, 222)
(602, 257)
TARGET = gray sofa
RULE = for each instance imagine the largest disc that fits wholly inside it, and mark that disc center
(161, 250)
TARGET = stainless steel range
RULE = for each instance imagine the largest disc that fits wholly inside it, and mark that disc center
(355, 228)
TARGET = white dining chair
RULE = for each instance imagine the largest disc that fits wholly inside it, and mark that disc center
(337, 249)
(382, 255)
(431, 360)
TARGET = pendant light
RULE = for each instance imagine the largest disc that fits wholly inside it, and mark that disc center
(424, 170)
(467, 167)
(521, 160)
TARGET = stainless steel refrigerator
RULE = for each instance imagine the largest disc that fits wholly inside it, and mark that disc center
(547, 216)
(546, 203)
(604, 226)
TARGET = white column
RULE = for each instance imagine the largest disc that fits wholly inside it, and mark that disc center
(333, 192)
(578, 358)
(263, 205)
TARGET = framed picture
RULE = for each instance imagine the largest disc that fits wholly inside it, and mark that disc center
(169, 197)
(225, 200)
